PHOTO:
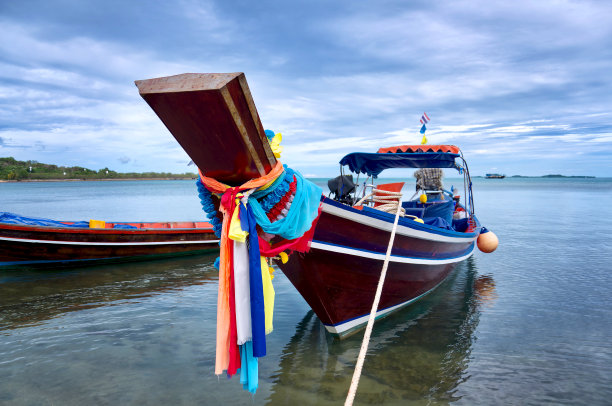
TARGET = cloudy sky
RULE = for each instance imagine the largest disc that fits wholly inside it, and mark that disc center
(523, 87)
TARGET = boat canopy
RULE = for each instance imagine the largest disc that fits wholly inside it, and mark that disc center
(404, 156)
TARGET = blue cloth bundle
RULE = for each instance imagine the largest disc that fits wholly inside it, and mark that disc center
(249, 368)
(275, 192)
(258, 315)
(304, 209)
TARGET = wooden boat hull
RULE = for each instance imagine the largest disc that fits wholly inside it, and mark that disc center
(40, 245)
(339, 276)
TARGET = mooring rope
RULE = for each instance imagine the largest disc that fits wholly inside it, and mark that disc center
(366, 337)
(389, 199)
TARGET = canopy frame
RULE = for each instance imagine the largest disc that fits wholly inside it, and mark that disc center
(410, 156)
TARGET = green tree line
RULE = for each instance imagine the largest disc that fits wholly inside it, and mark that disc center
(12, 169)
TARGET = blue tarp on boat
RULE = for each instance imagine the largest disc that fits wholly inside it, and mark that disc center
(125, 227)
(12, 218)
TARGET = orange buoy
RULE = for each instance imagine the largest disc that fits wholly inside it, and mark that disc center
(487, 241)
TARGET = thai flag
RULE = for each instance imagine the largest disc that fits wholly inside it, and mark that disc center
(425, 119)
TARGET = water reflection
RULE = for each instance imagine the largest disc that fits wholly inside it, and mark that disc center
(418, 355)
(30, 297)
(484, 290)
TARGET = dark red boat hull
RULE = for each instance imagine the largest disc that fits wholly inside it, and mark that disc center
(339, 276)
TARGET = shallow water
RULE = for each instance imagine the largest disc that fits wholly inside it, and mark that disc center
(528, 324)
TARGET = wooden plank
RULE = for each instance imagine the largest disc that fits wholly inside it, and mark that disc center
(213, 117)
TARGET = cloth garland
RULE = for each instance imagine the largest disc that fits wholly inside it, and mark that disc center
(304, 209)
(275, 193)
(227, 207)
(254, 297)
(258, 319)
(281, 208)
(300, 244)
(246, 295)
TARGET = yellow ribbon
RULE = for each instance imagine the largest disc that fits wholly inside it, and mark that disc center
(275, 145)
(268, 291)
(236, 232)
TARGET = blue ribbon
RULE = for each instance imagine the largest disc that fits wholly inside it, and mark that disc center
(249, 368)
(258, 314)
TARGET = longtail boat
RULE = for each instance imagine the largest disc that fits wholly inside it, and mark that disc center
(28, 241)
(214, 119)
(339, 276)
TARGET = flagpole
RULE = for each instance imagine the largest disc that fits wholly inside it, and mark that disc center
(424, 120)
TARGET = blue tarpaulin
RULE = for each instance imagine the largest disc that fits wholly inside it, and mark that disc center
(12, 218)
(373, 163)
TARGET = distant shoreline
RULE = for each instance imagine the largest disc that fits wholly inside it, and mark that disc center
(89, 180)
(314, 178)
(555, 176)
(547, 176)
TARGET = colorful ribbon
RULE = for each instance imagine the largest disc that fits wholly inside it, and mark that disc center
(246, 296)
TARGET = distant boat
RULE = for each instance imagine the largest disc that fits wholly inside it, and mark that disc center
(43, 242)
(494, 176)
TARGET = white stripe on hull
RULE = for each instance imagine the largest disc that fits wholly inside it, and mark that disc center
(387, 226)
(393, 258)
(107, 243)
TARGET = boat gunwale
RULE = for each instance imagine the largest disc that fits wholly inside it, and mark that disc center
(457, 236)
(106, 243)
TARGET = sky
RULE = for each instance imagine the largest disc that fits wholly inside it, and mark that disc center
(522, 87)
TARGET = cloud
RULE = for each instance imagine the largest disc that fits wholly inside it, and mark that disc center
(500, 80)
(9, 144)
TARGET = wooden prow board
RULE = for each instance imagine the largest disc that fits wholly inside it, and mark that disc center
(213, 117)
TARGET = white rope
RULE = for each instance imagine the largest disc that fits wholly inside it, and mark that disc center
(366, 337)
(389, 199)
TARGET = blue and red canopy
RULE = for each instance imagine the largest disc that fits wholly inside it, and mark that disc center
(403, 156)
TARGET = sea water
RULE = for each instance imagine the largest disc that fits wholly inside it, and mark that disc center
(529, 324)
